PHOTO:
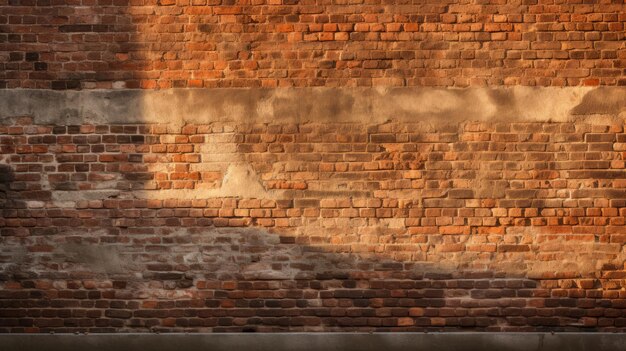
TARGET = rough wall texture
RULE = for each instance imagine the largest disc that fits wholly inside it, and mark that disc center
(306, 226)
(70, 44)
(313, 209)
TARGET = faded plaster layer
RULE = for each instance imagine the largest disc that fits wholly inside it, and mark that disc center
(297, 105)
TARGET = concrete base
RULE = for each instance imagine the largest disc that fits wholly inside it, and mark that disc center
(321, 341)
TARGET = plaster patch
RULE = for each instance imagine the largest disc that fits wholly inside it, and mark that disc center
(95, 258)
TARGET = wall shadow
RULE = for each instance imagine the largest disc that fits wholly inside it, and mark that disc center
(128, 241)
(108, 229)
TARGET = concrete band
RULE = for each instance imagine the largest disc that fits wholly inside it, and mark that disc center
(321, 341)
(318, 105)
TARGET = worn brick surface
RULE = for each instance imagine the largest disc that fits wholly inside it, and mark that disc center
(359, 226)
(311, 227)
(71, 44)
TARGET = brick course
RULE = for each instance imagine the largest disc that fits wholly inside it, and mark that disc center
(207, 43)
(357, 227)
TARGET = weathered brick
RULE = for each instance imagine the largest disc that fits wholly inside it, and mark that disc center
(418, 222)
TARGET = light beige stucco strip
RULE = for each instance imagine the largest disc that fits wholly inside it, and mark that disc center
(318, 105)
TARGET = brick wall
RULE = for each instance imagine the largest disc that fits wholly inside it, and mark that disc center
(323, 196)
(311, 227)
(210, 43)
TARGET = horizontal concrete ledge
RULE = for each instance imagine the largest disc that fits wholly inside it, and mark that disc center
(316, 341)
(299, 105)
